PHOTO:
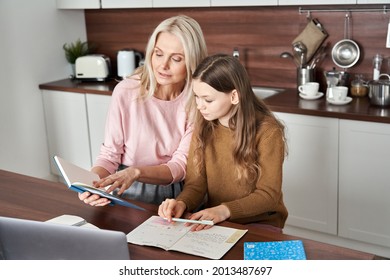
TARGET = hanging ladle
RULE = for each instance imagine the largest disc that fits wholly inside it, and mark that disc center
(289, 55)
(301, 50)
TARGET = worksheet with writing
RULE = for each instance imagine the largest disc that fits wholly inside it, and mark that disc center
(157, 232)
(210, 243)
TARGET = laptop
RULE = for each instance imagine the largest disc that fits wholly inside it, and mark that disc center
(32, 240)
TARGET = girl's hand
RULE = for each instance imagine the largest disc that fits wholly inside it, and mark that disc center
(216, 214)
(170, 208)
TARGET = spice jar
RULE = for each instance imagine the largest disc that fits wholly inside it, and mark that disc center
(359, 87)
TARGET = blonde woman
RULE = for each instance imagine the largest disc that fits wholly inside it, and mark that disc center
(147, 137)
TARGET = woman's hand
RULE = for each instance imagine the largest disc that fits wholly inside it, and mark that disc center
(171, 208)
(216, 214)
(94, 199)
(122, 179)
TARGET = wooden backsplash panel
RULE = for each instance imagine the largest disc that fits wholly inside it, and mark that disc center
(260, 33)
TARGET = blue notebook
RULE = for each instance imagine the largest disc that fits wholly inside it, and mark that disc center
(81, 180)
(275, 250)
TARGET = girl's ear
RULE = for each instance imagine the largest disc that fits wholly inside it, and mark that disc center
(234, 97)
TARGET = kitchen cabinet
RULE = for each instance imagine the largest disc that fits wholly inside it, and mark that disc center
(231, 3)
(114, 4)
(123, 4)
(373, 2)
(75, 125)
(315, 2)
(336, 181)
(180, 3)
(67, 127)
(364, 182)
(329, 2)
(97, 108)
(310, 172)
(78, 4)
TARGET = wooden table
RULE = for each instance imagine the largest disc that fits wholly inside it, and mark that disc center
(37, 199)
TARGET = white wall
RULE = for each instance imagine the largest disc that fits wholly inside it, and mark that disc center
(31, 37)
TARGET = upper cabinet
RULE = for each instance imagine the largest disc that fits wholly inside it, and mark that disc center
(316, 2)
(118, 4)
(78, 4)
(123, 4)
(180, 3)
(231, 3)
(373, 2)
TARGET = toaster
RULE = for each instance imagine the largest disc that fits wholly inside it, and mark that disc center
(94, 67)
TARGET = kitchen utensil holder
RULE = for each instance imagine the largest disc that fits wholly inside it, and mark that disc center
(305, 75)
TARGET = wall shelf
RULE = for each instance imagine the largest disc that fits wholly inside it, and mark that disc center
(384, 10)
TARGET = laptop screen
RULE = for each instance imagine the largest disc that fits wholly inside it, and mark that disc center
(32, 240)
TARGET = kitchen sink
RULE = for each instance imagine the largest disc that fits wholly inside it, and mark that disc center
(265, 92)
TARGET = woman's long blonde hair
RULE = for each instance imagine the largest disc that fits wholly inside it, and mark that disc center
(191, 36)
(225, 73)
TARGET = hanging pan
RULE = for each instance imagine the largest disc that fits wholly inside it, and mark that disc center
(346, 52)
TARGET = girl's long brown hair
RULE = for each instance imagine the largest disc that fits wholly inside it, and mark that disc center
(225, 73)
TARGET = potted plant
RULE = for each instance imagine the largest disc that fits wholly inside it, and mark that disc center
(75, 50)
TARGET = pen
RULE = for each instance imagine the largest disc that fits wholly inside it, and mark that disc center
(202, 222)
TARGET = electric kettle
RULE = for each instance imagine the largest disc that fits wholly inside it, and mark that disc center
(127, 60)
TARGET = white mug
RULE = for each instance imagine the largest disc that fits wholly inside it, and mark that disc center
(309, 89)
(339, 93)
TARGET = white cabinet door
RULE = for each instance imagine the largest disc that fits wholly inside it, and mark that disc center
(364, 184)
(67, 127)
(373, 1)
(115, 4)
(241, 3)
(310, 172)
(315, 2)
(180, 3)
(97, 111)
(78, 4)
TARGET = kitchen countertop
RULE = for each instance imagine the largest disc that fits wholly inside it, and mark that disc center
(73, 85)
(287, 101)
(358, 109)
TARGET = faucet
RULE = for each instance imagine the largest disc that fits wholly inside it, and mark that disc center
(236, 53)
